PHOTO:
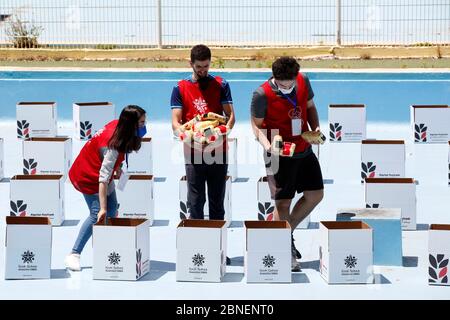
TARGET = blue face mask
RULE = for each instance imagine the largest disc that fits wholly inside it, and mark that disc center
(141, 131)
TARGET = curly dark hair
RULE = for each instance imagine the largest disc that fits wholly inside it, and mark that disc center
(200, 52)
(285, 68)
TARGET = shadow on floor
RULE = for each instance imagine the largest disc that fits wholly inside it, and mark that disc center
(59, 274)
(314, 264)
(300, 278)
(70, 223)
(410, 262)
(233, 277)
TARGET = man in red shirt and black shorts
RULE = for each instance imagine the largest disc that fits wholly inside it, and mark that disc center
(284, 106)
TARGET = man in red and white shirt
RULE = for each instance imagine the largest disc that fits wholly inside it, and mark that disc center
(284, 106)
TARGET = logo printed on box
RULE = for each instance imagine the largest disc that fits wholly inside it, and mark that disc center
(198, 260)
(268, 261)
(350, 262)
(420, 134)
(368, 170)
(438, 269)
(265, 211)
(85, 130)
(28, 257)
(18, 208)
(335, 132)
(23, 131)
(29, 166)
(114, 260)
(185, 211)
(27, 260)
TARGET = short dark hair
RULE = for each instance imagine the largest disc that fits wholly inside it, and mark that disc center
(200, 52)
(285, 68)
(124, 138)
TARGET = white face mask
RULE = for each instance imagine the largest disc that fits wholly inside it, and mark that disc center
(287, 91)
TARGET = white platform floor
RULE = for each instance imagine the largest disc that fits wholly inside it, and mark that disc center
(340, 167)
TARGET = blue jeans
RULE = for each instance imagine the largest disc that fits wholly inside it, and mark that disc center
(93, 202)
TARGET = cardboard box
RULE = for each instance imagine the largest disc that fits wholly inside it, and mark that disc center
(393, 193)
(90, 117)
(232, 158)
(346, 252)
(382, 159)
(47, 156)
(137, 199)
(268, 252)
(38, 196)
(430, 124)
(184, 209)
(387, 232)
(439, 254)
(141, 162)
(36, 119)
(201, 250)
(2, 159)
(266, 206)
(121, 249)
(347, 122)
(28, 248)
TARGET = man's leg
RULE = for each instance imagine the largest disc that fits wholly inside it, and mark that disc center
(196, 176)
(281, 211)
(216, 180)
(304, 206)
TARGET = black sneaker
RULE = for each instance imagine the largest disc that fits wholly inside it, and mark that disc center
(295, 252)
(228, 261)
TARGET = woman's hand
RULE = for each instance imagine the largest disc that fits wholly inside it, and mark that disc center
(101, 215)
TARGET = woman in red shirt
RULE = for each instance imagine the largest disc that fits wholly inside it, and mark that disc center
(92, 172)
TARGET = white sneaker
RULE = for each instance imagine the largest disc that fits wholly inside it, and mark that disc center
(295, 265)
(72, 262)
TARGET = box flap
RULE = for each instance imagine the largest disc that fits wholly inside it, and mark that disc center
(93, 104)
(430, 106)
(140, 177)
(28, 220)
(24, 103)
(443, 227)
(122, 222)
(194, 223)
(37, 177)
(344, 225)
(347, 105)
(389, 180)
(371, 141)
(56, 139)
(267, 225)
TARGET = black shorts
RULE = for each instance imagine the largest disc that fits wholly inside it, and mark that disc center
(295, 175)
